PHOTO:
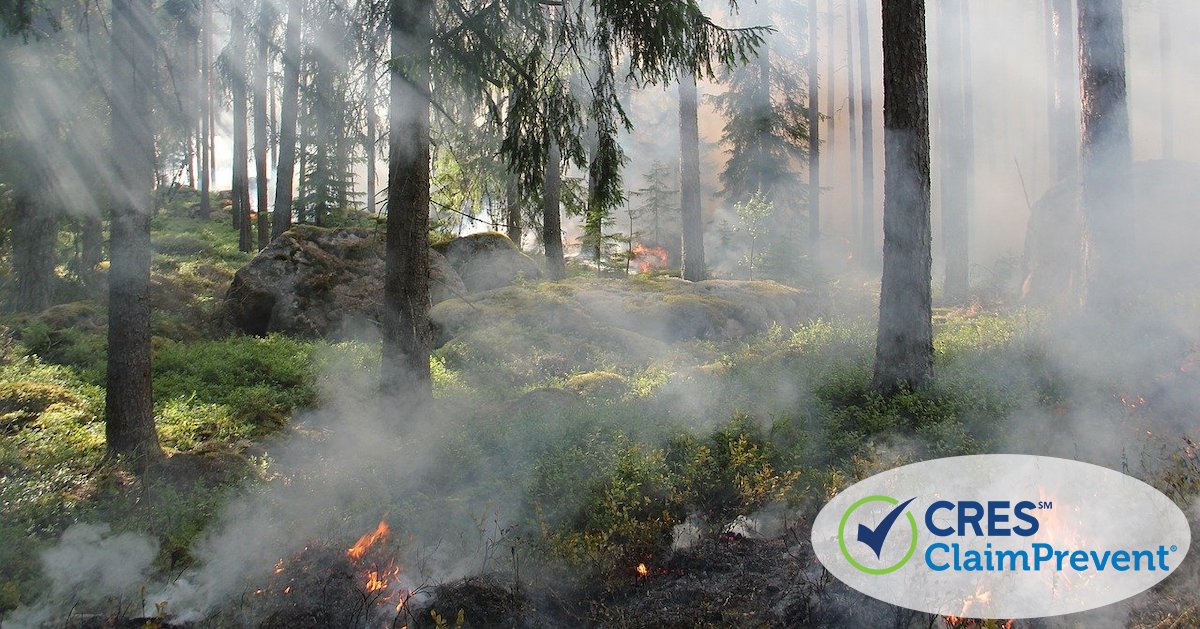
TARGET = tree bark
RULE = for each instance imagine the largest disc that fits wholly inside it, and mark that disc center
(692, 265)
(814, 135)
(289, 108)
(867, 241)
(830, 82)
(261, 130)
(904, 349)
(34, 235)
(852, 114)
(407, 336)
(556, 266)
(206, 109)
(240, 186)
(956, 164)
(1106, 157)
(129, 408)
(1064, 124)
(512, 206)
(372, 121)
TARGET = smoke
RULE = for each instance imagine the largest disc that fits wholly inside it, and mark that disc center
(344, 466)
(90, 565)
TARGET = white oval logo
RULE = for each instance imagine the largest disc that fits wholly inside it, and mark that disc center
(1001, 536)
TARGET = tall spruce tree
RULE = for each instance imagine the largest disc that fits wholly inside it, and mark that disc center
(904, 346)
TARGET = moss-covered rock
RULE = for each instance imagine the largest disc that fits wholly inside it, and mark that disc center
(488, 260)
(314, 281)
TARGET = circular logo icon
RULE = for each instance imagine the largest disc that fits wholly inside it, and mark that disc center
(874, 537)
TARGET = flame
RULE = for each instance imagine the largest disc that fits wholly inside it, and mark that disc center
(367, 540)
(642, 570)
(649, 258)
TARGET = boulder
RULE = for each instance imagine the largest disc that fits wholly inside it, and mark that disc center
(488, 260)
(1164, 225)
(313, 281)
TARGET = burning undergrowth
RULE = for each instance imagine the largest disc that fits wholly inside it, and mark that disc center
(326, 585)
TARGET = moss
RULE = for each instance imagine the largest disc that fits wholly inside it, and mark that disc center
(23, 401)
(599, 385)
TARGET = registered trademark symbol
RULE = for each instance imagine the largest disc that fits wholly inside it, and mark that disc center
(1174, 548)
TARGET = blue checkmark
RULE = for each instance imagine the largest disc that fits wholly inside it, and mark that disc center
(874, 537)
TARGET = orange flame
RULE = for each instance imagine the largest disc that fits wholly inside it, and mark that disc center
(642, 570)
(367, 540)
(649, 258)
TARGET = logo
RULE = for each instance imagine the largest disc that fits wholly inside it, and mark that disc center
(874, 537)
(1001, 536)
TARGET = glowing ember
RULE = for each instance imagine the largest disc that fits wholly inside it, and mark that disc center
(649, 258)
(367, 541)
(642, 570)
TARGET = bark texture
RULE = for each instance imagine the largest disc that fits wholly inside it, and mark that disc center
(128, 407)
(206, 108)
(34, 231)
(814, 135)
(904, 349)
(407, 336)
(261, 66)
(691, 212)
(1106, 156)
(556, 266)
(869, 254)
(285, 168)
(241, 136)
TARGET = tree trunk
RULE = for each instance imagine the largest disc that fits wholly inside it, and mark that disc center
(830, 82)
(956, 163)
(289, 108)
(407, 336)
(904, 350)
(1106, 157)
(512, 206)
(129, 408)
(92, 245)
(691, 211)
(34, 235)
(852, 114)
(240, 187)
(372, 123)
(556, 266)
(261, 130)
(206, 109)
(1064, 125)
(814, 136)
(867, 242)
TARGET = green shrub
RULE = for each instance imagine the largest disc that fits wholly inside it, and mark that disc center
(734, 471)
(261, 380)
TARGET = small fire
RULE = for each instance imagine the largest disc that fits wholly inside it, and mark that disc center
(367, 541)
(642, 570)
(649, 258)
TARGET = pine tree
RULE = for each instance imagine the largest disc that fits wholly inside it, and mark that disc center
(129, 408)
(1106, 159)
(904, 347)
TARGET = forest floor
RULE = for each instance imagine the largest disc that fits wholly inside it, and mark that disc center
(663, 489)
